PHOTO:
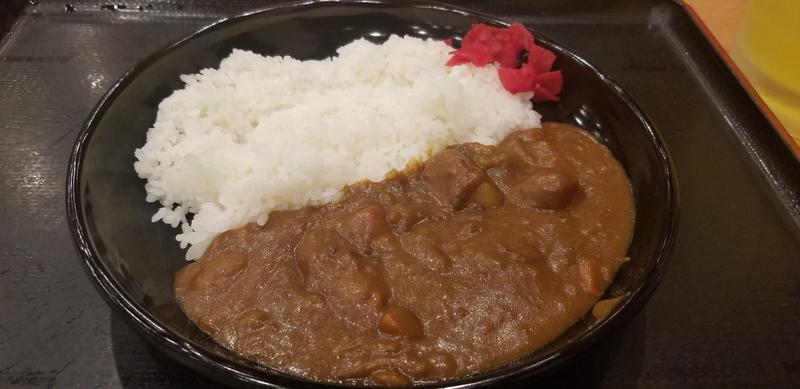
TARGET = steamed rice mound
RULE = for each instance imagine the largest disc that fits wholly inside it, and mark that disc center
(271, 133)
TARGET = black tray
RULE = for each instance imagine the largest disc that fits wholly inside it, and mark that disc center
(726, 314)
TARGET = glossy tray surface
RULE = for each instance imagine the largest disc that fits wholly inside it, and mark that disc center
(727, 312)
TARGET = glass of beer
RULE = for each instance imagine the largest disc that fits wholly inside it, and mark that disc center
(767, 50)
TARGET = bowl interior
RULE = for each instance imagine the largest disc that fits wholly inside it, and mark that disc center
(134, 260)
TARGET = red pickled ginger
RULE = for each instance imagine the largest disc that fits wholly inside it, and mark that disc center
(485, 44)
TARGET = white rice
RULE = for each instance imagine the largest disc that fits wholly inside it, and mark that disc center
(270, 133)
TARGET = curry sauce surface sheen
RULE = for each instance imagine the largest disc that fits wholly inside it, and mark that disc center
(477, 257)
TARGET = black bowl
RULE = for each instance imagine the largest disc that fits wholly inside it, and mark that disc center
(132, 261)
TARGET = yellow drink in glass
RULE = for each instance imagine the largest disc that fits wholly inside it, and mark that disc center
(767, 50)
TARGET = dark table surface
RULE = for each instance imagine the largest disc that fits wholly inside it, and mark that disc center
(727, 313)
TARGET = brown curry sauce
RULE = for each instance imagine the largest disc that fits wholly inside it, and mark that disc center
(472, 259)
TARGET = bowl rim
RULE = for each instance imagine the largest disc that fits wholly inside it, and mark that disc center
(211, 365)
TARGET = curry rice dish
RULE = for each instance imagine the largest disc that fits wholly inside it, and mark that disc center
(456, 265)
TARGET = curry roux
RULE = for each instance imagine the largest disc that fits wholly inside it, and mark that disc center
(472, 259)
